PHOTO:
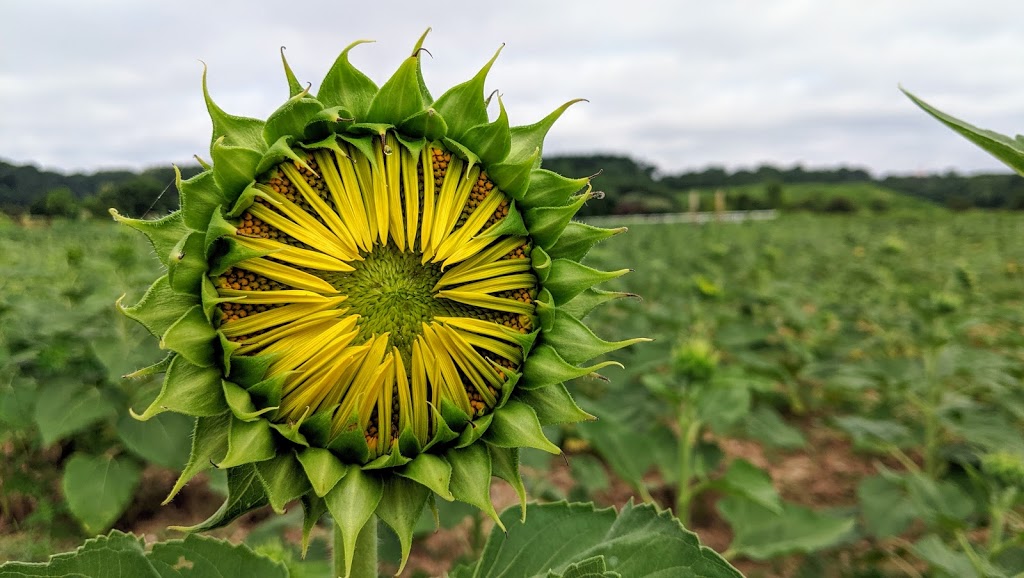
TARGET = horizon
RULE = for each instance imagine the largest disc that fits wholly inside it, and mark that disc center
(679, 85)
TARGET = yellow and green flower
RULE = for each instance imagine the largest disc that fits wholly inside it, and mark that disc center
(372, 298)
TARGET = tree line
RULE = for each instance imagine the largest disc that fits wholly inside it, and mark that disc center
(629, 186)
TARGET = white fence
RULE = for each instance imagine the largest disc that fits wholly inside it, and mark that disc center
(673, 218)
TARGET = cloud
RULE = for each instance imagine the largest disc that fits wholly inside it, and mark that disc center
(681, 84)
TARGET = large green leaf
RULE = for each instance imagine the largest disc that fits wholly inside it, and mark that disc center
(558, 538)
(1002, 147)
(120, 555)
(99, 488)
(161, 440)
(65, 407)
(761, 534)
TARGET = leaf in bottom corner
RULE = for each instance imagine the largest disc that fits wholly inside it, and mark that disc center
(566, 538)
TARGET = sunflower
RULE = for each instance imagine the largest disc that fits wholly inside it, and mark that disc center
(372, 298)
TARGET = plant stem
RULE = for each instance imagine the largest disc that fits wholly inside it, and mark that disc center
(364, 559)
(689, 428)
(931, 419)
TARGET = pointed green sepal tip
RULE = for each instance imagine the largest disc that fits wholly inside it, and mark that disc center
(400, 508)
(578, 238)
(464, 103)
(577, 343)
(159, 308)
(527, 139)
(490, 141)
(550, 189)
(547, 223)
(431, 471)
(505, 465)
(209, 444)
(294, 87)
(569, 278)
(237, 131)
(189, 389)
(245, 493)
(546, 367)
(248, 442)
(352, 503)
(163, 233)
(323, 469)
(471, 478)
(517, 425)
(345, 85)
(553, 405)
(283, 480)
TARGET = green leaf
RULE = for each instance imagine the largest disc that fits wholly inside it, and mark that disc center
(200, 196)
(245, 493)
(766, 425)
(547, 223)
(722, 405)
(120, 555)
(99, 488)
(751, 482)
(187, 264)
(884, 506)
(870, 433)
(1002, 147)
(760, 533)
(639, 541)
(234, 168)
(159, 440)
(938, 555)
(294, 86)
(203, 556)
(581, 305)
(65, 407)
(505, 465)
(116, 555)
(352, 503)
(590, 568)
(577, 343)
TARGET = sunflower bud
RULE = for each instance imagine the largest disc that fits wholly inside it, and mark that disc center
(370, 300)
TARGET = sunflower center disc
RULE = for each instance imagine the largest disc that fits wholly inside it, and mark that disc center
(392, 292)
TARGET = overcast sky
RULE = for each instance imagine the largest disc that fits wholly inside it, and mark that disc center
(91, 84)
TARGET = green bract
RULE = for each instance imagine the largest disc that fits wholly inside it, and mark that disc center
(372, 297)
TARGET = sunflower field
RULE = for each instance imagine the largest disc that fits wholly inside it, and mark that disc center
(377, 340)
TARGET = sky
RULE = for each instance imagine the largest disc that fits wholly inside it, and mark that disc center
(100, 84)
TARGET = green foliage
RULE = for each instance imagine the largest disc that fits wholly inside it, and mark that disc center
(563, 540)
(120, 555)
(63, 352)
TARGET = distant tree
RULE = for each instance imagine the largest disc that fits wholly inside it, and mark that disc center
(134, 198)
(59, 202)
(840, 204)
(773, 194)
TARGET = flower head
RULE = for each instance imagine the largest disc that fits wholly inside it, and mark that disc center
(372, 298)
